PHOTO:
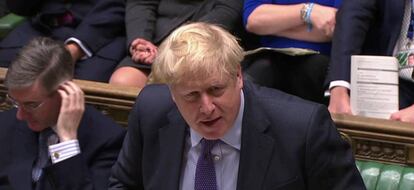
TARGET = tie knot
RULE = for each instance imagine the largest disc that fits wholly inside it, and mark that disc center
(207, 145)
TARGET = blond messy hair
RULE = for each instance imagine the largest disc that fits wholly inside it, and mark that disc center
(195, 51)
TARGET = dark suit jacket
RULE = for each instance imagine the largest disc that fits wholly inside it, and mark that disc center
(367, 27)
(154, 20)
(97, 22)
(100, 140)
(99, 25)
(286, 143)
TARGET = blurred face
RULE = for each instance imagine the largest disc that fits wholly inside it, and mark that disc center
(209, 106)
(37, 107)
(411, 59)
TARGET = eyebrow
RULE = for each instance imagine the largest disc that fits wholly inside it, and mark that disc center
(27, 102)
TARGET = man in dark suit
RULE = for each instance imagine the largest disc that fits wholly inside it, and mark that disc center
(93, 31)
(369, 27)
(62, 144)
(207, 117)
(148, 23)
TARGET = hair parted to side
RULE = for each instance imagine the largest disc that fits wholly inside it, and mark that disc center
(42, 60)
(194, 52)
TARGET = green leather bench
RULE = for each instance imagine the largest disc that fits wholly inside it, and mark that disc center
(378, 176)
(9, 22)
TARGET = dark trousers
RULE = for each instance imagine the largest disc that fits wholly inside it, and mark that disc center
(406, 93)
(302, 76)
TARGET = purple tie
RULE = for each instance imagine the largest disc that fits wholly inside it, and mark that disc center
(205, 177)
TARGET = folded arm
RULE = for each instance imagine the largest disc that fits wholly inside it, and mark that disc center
(286, 21)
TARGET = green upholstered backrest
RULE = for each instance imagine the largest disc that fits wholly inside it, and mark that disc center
(9, 22)
(378, 176)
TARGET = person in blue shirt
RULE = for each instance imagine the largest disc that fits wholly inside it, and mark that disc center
(291, 24)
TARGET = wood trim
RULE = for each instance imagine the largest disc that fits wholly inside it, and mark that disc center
(378, 139)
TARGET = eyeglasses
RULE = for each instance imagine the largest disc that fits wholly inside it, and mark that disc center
(30, 106)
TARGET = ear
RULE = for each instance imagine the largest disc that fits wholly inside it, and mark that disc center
(171, 92)
(239, 77)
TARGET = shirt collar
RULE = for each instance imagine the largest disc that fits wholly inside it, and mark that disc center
(233, 136)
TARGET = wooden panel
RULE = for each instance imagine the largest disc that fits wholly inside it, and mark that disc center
(378, 139)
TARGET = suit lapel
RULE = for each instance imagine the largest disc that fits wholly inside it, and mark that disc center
(396, 15)
(172, 138)
(24, 151)
(256, 148)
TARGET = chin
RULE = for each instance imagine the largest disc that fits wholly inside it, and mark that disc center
(212, 135)
(35, 127)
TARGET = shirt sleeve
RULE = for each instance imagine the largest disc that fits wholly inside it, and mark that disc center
(62, 151)
(339, 83)
(88, 53)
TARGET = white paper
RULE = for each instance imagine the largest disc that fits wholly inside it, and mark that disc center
(287, 51)
(374, 86)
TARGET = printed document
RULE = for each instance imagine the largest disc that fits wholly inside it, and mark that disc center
(374, 86)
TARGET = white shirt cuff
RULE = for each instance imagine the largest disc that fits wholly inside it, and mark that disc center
(80, 44)
(340, 83)
(62, 151)
(337, 83)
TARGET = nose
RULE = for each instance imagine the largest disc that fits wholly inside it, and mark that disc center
(21, 114)
(207, 106)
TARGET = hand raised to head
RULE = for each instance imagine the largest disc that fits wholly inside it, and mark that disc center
(71, 111)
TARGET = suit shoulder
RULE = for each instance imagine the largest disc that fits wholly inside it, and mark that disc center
(284, 107)
(9, 123)
(271, 97)
(99, 125)
(154, 98)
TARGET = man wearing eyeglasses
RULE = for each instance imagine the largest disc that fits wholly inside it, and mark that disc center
(62, 144)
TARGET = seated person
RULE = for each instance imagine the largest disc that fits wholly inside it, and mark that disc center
(208, 129)
(93, 31)
(149, 22)
(370, 27)
(62, 144)
(286, 24)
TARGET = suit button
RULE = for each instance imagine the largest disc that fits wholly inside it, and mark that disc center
(56, 155)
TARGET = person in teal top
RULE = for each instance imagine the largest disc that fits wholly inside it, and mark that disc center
(291, 24)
